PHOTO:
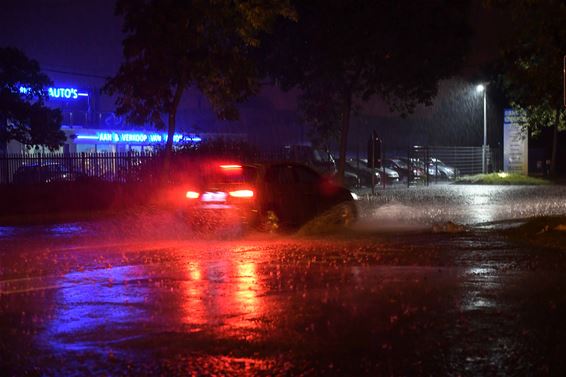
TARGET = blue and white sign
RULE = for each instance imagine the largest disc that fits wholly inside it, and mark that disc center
(59, 93)
(136, 138)
(515, 142)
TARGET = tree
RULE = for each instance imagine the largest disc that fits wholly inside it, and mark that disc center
(531, 64)
(341, 53)
(23, 115)
(172, 45)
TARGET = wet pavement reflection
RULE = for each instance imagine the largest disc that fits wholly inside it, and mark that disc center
(466, 204)
(78, 301)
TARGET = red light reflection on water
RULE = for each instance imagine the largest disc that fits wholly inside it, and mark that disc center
(225, 294)
(246, 288)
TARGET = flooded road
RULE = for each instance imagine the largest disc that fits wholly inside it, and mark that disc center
(142, 295)
(464, 204)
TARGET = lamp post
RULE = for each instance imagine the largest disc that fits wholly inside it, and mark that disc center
(481, 89)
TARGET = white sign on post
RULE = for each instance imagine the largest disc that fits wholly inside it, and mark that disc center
(515, 143)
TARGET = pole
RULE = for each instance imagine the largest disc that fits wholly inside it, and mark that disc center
(372, 165)
(409, 171)
(382, 167)
(484, 146)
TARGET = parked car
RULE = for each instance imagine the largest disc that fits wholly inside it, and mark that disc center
(362, 173)
(42, 173)
(265, 196)
(402, 168)
(444, 171)
(419, 164)
(351, 179)
(361, 167)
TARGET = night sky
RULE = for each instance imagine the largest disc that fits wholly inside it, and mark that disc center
(83, 38)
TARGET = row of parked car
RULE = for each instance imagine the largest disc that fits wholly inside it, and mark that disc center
(418, 169)
(358, 173)
(45, 172)
(395, 170)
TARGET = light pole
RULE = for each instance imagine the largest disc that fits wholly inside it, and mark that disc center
(481, 89)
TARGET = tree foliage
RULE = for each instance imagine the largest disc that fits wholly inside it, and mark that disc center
(171, 45)
(341, 53)
(532, 63)
(24, 116)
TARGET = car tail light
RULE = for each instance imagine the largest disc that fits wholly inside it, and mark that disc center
(231, 167)
(192, 195)
(242, 194)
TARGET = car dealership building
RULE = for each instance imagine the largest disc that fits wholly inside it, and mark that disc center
(89, 129)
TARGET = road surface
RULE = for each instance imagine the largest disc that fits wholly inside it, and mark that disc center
(408, 291)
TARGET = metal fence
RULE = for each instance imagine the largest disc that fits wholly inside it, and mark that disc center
(431, 160)
(135, 166)
(51, 167)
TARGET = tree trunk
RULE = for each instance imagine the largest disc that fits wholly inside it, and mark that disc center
(171, 126)
(170, 132)
(344, 135)
(554, 144)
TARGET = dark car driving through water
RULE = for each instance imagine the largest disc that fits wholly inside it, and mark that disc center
(264, 196)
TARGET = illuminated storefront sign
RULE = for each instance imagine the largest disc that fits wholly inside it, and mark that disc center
(59, 93)
(129, 137)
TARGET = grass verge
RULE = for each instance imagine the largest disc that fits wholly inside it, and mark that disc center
(501, 179)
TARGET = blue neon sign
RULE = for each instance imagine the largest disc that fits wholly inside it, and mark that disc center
(128, 137)
(59, 93)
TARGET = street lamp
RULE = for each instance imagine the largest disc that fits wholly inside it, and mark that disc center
(481, 89)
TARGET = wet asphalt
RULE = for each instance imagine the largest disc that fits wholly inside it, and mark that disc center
(427, 283)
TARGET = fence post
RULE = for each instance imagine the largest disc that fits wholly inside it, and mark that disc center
(38, 171)
(96, 167)
(383, 166)
(409, 172)
(426, 163)
(128, 165)
(6, 168)
(83, 163)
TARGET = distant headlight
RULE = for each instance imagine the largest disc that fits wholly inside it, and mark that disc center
(354, 196)
(394, 175)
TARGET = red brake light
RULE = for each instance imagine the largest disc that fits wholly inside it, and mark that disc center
(230, 167)
(192, 195)
(242, 194)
